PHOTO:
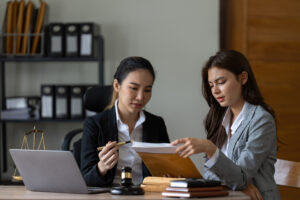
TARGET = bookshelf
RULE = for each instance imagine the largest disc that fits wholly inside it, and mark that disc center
(99, 58)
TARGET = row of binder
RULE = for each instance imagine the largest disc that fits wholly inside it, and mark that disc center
(71, 39)
(63, 102)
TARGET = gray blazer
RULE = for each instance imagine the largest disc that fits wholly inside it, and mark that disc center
(251, 155)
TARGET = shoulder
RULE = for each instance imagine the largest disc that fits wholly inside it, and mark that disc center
(152, 118)
(262, 122)
(100, 118)
(262, 115)
(155, 129)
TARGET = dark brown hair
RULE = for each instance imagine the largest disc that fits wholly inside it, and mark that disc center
(236, 63)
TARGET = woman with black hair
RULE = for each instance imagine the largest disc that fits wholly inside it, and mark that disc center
(124, 120)
(241, 129)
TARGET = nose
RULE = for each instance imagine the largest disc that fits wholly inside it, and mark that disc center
(140, 95)
(215, 89)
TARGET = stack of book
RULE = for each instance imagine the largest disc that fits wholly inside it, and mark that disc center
(19, 114)
(157, 184)
(194, 188)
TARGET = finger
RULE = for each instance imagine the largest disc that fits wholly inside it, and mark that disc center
(108, 162)
(106, 156)
(102, 167)
(106, 148)
(187, 152)
(112, 159)
(112, 164)
(257, 193)
(181, 148)
(111, 144)
(175, 142)
(178, 141)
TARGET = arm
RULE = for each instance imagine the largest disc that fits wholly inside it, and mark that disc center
(92, 172)
(236, 174)
(260, 141)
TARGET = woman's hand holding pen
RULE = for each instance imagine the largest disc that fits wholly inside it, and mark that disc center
(193, 146)
(108, 157)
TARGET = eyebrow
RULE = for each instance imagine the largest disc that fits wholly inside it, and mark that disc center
(133, 83)
(217, 79)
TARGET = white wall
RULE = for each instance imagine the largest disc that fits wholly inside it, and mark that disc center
(177, 36)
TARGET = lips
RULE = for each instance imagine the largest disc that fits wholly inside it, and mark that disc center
(220, 99)
(137, 105)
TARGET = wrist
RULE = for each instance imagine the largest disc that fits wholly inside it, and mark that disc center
(101, 169)
(210, 149)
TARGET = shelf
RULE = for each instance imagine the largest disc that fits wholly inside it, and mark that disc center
(48, 59)
(41, 120)
(98, 57)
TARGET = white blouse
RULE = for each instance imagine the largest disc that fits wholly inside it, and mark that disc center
(226, 124)
(127, 156)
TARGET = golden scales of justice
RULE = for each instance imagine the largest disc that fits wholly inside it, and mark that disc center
(25, 145)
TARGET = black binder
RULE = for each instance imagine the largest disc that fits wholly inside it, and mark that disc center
(47, 101)
(71, 40)
(87, 32)
(62, 101)
(55, 41)
(76, 101)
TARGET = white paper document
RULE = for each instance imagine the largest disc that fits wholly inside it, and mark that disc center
(153, 147)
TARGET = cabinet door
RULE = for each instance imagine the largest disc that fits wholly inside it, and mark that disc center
(268, 33)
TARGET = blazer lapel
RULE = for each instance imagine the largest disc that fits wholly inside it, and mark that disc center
(112, 128)
(145, 136)
(233, 141)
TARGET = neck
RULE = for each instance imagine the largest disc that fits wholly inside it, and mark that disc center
(237, 108)
(127, 117)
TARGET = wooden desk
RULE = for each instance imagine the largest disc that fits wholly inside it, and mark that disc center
(20, 192)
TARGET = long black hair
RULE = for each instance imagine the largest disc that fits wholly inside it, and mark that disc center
(236, 63)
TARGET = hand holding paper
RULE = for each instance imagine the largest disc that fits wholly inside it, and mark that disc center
(192, 146)
(161, 159)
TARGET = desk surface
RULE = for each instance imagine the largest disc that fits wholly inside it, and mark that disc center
(20, 192)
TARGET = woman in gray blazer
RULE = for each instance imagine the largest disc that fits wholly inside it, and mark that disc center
(241, 130)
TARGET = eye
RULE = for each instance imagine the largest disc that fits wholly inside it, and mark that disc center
(221, 82)
(133, 88)
(148, 90)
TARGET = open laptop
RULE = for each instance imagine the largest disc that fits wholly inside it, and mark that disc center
(51, 171)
